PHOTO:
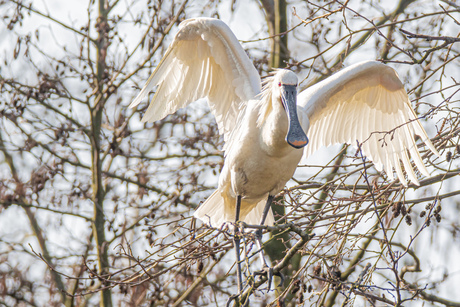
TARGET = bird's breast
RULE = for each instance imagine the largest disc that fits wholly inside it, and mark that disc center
(259, 161)
(258, 168)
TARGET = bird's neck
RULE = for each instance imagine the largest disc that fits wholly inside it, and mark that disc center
(274, 131)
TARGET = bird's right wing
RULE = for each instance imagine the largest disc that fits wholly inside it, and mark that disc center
(367, 103)
(204, 60)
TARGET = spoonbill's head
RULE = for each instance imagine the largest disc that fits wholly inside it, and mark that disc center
(285, 89)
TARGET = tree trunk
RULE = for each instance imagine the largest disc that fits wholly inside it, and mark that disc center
(96, 162)
(275, 12)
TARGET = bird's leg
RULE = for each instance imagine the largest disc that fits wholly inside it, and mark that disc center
(266, 269)
(236, 242)
(259, 231)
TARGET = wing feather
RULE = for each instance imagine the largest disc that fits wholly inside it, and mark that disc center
(367, 103)
(204, 60)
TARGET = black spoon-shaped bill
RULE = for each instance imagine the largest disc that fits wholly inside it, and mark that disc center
(295, 137)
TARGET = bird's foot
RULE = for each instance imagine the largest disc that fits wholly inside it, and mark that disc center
(236, 298)
(268, 271)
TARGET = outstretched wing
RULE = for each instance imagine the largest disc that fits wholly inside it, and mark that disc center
(204, 60)
(367, 103)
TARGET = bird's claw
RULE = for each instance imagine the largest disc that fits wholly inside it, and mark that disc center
(231, 298)
(268, 271)
(235, 297)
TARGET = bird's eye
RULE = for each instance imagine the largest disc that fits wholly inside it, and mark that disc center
(279, 84)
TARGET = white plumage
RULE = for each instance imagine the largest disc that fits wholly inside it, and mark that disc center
(365, 102)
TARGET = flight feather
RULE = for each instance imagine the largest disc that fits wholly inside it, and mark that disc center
(204, 60)
(366, 103)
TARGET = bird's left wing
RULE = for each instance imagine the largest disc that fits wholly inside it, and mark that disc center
(204, 60)
(367, 103)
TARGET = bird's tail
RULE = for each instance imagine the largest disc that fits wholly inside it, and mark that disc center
(215, 213)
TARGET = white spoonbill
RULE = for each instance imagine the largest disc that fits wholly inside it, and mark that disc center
(264, 130)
